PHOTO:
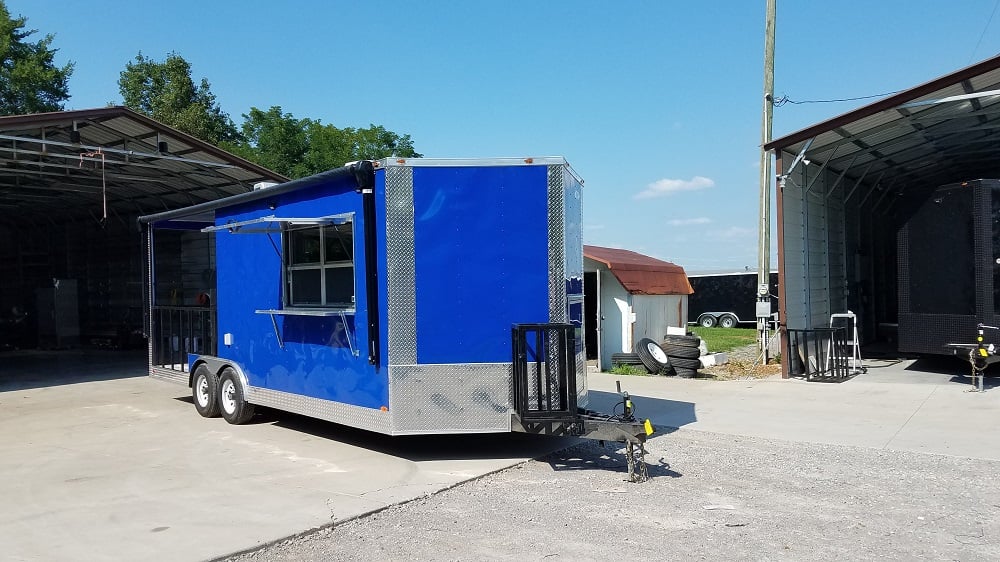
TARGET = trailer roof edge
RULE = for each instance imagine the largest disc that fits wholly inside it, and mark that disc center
(353, 170)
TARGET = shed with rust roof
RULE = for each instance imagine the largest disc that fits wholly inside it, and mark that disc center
(629, 296)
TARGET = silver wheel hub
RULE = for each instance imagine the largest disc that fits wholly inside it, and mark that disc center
(201, 393)
(228, 396)
(657, 352)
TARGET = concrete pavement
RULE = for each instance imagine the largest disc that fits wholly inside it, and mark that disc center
(899, 405)
(124, 468)
(102, 463)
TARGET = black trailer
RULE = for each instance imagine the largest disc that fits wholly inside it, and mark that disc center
(949, 276)
(727, 299)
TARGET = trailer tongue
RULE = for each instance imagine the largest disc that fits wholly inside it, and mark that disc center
(545, 396)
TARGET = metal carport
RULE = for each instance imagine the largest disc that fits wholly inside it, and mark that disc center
(72, 184)
(845, 186)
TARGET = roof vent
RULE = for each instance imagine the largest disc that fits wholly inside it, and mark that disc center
(264, 185)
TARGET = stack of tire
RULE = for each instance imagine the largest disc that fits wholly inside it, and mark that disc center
(683, 353)
(648, 354)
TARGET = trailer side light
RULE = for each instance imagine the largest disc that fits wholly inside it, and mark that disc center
(384, 408)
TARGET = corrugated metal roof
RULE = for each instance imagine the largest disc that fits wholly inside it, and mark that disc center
(48, 175)
(641, 274)
(945, 130)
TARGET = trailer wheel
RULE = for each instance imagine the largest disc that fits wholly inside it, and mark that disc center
(728, 321)
(652, 356)
(205, 391)
(233, 405)
(706, 321)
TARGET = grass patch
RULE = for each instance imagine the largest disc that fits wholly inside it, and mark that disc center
(629, 370)
(725, 339)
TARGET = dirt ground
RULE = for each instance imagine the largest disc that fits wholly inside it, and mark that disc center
(710, 497)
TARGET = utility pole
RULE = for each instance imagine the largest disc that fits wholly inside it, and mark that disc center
(764, 250)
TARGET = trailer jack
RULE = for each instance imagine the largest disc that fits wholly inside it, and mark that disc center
(981, 354)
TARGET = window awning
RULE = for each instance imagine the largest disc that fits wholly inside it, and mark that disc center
(272, 223)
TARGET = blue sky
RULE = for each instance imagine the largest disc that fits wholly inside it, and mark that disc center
(655, 104)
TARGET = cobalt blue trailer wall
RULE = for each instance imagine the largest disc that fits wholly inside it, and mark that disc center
(307, 355)
(471, 249)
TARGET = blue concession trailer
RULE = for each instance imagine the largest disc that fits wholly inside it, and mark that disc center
(401, 296)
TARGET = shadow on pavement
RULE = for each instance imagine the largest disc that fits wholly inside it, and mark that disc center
(26, 369)
(607, 457)
(666, 415)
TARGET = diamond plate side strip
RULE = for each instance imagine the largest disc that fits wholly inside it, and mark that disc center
(458, 398)
(169, 375)
(557, 245)
(353, 416)
(400, 277)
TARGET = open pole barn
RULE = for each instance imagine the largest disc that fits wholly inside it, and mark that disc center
(72, 185)
(629, 296)
(890, 212)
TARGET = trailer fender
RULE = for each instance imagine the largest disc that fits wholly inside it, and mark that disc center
(216, 365)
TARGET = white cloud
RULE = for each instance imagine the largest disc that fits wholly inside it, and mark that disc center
(689, 222)
(668, 186)
(736, 232)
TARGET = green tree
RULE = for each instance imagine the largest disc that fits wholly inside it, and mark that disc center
(275, 140)
(166, 92)
(30, 82)
(301, 147)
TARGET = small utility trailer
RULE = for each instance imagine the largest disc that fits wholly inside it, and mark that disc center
(400, 296)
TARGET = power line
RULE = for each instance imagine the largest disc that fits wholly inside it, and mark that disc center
(983, 34)
(785, 99)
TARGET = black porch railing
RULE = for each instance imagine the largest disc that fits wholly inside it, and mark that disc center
(819, 354)
(180, 330)
(544, 372)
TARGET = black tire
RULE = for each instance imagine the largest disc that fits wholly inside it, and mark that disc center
(205, 391)
(685, 363)
(706, 321)
(673, 350)
(625, 359)
(685, 373)
(652, 355)
(232, 404)
(686, 341)
(728, 321)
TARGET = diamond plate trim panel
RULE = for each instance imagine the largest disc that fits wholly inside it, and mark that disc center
(169, 375)
(353, 416)
(557, 244)
(458, 398)
(400, 275)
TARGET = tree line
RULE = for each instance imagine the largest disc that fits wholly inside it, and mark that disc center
(31, 82)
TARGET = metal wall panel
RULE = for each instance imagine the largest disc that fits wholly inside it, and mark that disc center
(400, 274)
(481, 260)
(452, 398)
(337, 412)
(572, 249)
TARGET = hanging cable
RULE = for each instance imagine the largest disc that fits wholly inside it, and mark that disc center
(104, 184)
(983, 34)
(784, 99)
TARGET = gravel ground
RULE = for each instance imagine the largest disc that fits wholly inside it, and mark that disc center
(711, 496)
